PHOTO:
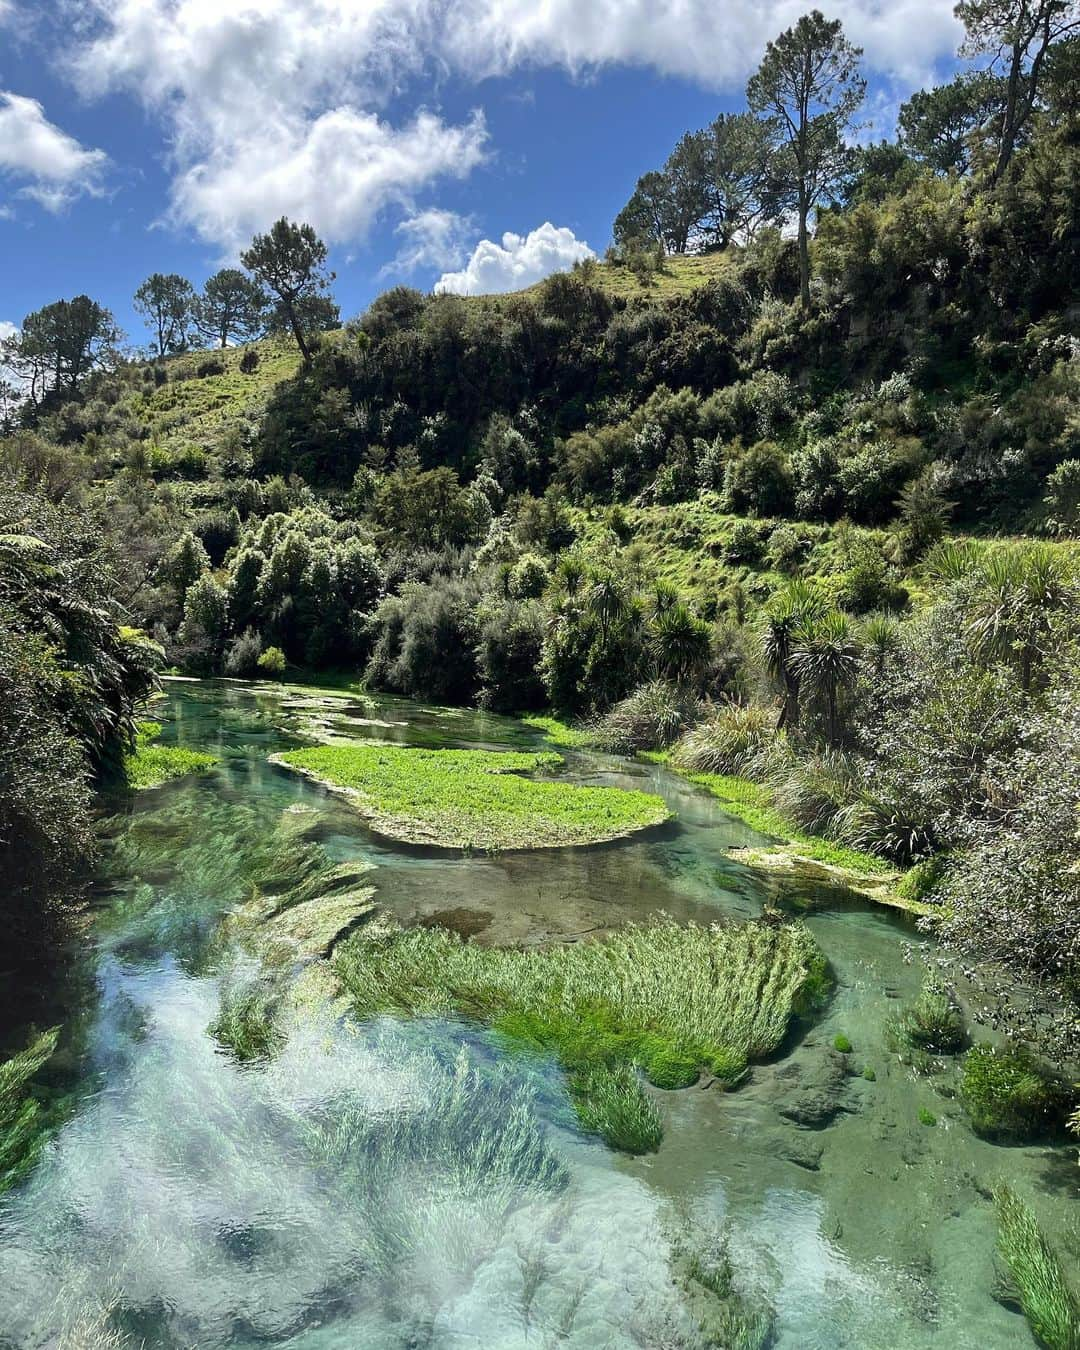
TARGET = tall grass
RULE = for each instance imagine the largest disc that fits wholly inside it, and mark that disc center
(22, 1122)
(1036, 1279)
(651, 718)
(668, 999)
(729, 740)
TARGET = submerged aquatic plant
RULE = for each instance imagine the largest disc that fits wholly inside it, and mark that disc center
(1036, 1279)
(933, 1023)
(1006, 1095)
(248, 1023)
(666, 998)
(22, 1122)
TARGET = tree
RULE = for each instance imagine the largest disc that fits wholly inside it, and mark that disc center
(742, 186)
(1017, 35)
(231, 306)
(938, 126)
(645, 215)
(788, 614)
(686, 175)
(166, 302)
(60, 345)
(290, 262)
(809, 83)
(681, 644)
(826, 659)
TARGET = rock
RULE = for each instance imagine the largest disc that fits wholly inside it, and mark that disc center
(817, 1093)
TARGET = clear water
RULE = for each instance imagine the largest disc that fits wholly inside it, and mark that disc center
(401, 1184)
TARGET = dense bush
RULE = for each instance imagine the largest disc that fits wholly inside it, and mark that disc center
(1007, 1096)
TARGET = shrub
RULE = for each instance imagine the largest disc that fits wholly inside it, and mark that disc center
(759, 481)
(249, 362)
(926, 1117)
(528, 578)
(650, 718)
(745, 543)
(730, 739)
(787, 548)
(242, 657)
(212, 366)
(272, 662)
(1006, 1095)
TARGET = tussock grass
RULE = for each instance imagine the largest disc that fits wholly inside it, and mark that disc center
(474, 798)
(22, 1122)
(1036, 1280)
(150, 765)
(650, 718)
(934, 1023)
(727, 741)
(669, 1000)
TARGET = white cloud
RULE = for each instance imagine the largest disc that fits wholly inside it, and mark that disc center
(7, 329)
(517, 262)
(278, 106)
(717, 45)
(58, 168)
(430, 238)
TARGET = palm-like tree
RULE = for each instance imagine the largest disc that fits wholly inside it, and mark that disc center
(681, 644)
(608, 601)
(825, 657)
(1016, 601)
(785, 615)
(880, 636)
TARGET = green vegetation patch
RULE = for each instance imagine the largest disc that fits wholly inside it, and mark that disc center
(561, 733)
(668, 1000)
(150, 765)
(1035, 1280)
(1007, 1096)
(474, 798)
(23, 1123)
(752, 803)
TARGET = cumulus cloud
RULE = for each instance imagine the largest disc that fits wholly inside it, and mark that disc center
(279, 106)
(430, 238)
(52, 166)
(518, 261)
(273, 107)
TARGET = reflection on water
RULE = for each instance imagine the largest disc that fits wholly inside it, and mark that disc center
(403, 1184)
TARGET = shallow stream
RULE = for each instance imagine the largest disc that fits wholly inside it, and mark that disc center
(188, 1200)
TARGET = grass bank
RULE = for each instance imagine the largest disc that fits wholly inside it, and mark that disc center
(663, 999)
(473, 798)
(149, 765)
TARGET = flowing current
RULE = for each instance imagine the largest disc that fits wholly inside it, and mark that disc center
(411, 1184)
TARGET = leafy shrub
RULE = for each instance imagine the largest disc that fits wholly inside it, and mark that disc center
(1006, 1095)
(242, 656)
(509, 646)
(729, 739)
(745, 543)
(249, 362)
(787, 548)
(272, 662)
(759, 481)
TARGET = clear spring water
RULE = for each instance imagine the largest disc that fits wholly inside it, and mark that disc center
(401, 1184)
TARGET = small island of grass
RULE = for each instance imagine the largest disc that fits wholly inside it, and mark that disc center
(473, 798)
(149, 765)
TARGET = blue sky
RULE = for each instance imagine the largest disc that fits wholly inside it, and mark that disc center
(157, 135)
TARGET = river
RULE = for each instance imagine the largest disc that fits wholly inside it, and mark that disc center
(188, 1200)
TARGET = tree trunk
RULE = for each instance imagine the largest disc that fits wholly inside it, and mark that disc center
(804, 254)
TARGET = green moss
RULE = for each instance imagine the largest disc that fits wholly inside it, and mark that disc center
(917, 883)
(1006, 1095)
(474, 798)
(841, 1043)
(869, 1074)
(926, 1117)
(150, 765)
(1035, 1279)
(23, 1122)
(664, 999)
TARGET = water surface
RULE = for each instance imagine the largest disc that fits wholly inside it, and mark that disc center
(405, 1184)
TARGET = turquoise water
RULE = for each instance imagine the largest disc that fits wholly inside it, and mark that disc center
(403, 1184)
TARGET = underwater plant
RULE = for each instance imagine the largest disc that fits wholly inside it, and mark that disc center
(1035, 1280)
(1006, 1095)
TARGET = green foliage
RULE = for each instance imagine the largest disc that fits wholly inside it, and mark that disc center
(729, 739)
(272, 663)
(475, 798)
(927, 1117)
(1007, 1096)
(1036, 1280)
(247, 1023)
(933, 1023)
(650, 718)
(23, 1123)
(842, 1043)
(150, 765)
(664, 997)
